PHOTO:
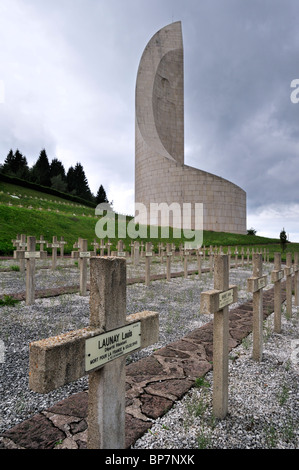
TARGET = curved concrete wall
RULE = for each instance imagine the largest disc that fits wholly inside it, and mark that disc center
(160, 172)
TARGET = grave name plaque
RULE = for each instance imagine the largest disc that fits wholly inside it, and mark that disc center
(109, 346)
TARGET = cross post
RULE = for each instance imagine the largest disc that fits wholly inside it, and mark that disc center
(120, 249)
(255, 285)
(136, 253)
(19, 253)
(288, 271)
(54, 245)
(102, 247)
(83, 256)
(211, 258)
(95, 247)
(168, 261)
(276, 277)
(216, 302)
(148, 255)
(198, 255)
(41, 242)
(236, 257)
(296, 278)
(61, 246)
(186, 259)
(31, 255)
(99, 351)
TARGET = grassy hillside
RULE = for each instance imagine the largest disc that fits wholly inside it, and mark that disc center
(23, 210)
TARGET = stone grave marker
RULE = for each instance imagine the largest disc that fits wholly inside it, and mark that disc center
(21, 245)
(102, 248)
(186, 261)
(136, 253)
(16, 241)
(229, 256)
(75, 254)
(30, 256)
(288, 271)
(296, 278)
(41, 242)
(276, 277)
(168, 261)
(84, 255)
(255, 285)
(199, 256)
(99, 351)
(148, 257)
(61, 246)
(109, 244)
(96, 246)
(236, 257)
(54, 246)
(121, 249)
(216, 302)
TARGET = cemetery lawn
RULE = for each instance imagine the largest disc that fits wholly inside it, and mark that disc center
(48, 215)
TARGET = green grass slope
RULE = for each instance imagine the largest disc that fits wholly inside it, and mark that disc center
(23, 210)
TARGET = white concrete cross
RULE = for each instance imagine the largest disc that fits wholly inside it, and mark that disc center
(276, 277)
(255, 285)
(99, 350)
(216, 302)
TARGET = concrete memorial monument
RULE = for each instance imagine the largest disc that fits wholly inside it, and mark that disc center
(161, 175)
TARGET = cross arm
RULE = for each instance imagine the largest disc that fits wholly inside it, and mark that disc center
(256, 283)
(214, 300)
(276, 275)
(56, 361)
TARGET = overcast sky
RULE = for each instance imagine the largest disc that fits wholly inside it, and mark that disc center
(67, 84)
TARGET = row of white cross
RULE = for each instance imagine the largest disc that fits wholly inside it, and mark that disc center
(100, 349)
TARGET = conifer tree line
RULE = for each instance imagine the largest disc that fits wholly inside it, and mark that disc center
(52, 175)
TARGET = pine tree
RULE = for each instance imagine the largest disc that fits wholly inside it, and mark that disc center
(58, 176)
(40, 172)
(57, 168)
(101, 195)
(77, 183)
(81, 183)
(70, 180)
(283, 239)
(16, 165)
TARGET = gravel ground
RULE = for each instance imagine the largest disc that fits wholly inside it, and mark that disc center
(263, 397)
